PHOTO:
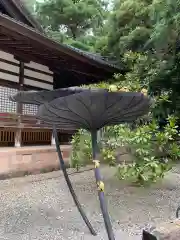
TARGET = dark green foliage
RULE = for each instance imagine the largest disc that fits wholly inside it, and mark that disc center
(152, 29)
(74, 17)
(144, 36)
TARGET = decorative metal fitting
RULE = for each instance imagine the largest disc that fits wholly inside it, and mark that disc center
(100, 186)
(96, 163)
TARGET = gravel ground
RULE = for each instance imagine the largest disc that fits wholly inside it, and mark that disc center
(40, 207)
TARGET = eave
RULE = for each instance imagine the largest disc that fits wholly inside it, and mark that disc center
(17, 10)
(28, 44)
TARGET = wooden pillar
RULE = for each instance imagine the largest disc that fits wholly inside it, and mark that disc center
(53, 140)
(19, 106)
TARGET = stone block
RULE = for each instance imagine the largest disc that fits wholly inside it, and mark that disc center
(164, 231)
(19, 161)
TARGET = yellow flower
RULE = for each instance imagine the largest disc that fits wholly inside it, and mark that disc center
(144, 91)
(124, 89)
(113, 88)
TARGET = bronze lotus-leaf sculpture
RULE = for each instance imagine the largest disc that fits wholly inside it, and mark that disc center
(40, 97)
(92, 110)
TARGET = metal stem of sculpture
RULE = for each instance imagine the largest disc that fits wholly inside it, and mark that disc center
(92, 110)
(38, 98)
(148, 236)
(63, 167)
(177, 212)
(100, 185)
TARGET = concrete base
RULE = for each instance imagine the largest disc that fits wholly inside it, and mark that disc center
(17, 162)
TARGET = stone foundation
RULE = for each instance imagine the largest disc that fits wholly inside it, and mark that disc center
(17, 162)
(164, 231)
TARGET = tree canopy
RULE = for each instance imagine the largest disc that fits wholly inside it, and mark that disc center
(150, 28)
(30, 4)
(74, 17)
(143, 35)
(146, 27)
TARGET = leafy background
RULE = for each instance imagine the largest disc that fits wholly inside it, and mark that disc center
(142, 36)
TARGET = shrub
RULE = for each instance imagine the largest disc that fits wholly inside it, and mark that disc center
(81, 149)
(153, 150)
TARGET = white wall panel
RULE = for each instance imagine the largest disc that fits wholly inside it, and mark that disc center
(38, 75)
(8, 57)
(9, 77)
(38, 84)
(38, 67)
(9, 67)
(36, 71)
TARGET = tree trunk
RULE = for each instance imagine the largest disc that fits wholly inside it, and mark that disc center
(73, 32)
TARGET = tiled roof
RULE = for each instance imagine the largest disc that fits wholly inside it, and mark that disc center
(94, 56)
(17, 10)
(35, 27)
(21, 9)
(64, 47)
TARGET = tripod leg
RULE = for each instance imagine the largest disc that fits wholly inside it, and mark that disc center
(63, 167)
(100, 186)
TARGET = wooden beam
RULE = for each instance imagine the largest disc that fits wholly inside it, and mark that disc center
(26, 58)
(15, 37)
(6, 83)
(21, 59)
(52, 62)
(10, 41)
(21, 76)
(33, 49)
(52, 59)
(2, 39)
(81, 72)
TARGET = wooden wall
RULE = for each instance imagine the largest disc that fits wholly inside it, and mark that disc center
(18, 120)
(35, 75)
(9, 81)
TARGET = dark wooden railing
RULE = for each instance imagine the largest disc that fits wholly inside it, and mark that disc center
(33, 132)
(7, 137)
(36, 136)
